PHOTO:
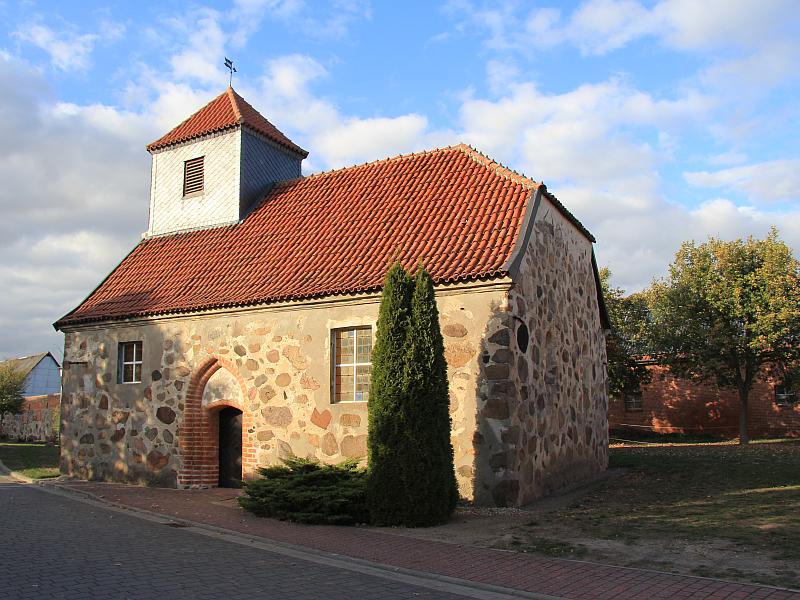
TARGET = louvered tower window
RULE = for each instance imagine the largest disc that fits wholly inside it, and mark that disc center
(193, 176)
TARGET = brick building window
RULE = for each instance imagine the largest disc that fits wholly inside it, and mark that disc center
(193, 175)
(785, 395)
(633, 401)
(130, 362)
(352, 364)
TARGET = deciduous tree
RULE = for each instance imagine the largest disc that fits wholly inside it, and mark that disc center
(728, 311)
(12, 386)
(626, 344)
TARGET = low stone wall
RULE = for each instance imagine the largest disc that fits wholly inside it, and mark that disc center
(38, 421)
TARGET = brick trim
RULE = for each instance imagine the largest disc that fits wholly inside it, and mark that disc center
(199, 430)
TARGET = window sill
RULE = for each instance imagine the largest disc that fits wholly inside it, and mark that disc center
(194, 195)
(349, 402)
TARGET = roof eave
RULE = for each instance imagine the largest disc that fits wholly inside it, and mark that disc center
(65, 323)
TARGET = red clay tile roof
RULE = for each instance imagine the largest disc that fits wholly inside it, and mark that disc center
(226, 111)
(330, 234)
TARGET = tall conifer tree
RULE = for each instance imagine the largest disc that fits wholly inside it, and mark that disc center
(388, 431)
(431, 492)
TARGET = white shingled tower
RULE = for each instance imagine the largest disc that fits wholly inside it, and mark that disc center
(210, 170)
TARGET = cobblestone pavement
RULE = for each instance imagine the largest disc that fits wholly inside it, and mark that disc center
(57, 547)
(569, 579)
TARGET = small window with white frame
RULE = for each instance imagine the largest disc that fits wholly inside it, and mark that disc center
(130, 362)
(352, 364)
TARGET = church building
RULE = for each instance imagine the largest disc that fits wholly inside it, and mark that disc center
(239, 330)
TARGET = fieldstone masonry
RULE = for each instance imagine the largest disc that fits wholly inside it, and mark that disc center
(37, 422)
(553, 349)
(526, 366)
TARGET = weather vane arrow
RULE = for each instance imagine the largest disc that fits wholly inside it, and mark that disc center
(231, 68)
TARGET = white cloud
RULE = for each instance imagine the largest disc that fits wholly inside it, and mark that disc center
(599, 26)
(755, 43)
(68, 217)
(771, 181)
(357, 140)
(586, 133)
(200, 60)
(285, 96)
(69, 51)
(587, 145)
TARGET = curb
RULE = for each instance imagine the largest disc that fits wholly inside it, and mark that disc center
(434, 581)
(4, 470)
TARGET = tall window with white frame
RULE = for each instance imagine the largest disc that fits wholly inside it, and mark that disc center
(352, 364)
(130, 362)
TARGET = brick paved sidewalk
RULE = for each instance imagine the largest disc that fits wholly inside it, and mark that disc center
(556, 577)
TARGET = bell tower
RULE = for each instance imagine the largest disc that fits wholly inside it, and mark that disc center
(211, 169)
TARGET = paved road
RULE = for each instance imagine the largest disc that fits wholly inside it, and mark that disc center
(56, 547)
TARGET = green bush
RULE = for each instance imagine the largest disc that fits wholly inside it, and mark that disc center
(306, 491)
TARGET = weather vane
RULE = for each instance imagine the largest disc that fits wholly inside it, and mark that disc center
(231, 68)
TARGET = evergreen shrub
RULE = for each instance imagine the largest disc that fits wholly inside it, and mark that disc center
(411, 477)
(306, 491)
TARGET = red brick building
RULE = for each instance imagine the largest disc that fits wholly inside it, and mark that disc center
(671, 405)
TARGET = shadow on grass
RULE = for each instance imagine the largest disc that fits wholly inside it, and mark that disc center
(37, 461)
(745, 494)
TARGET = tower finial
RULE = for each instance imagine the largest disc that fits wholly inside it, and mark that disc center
(231, 68)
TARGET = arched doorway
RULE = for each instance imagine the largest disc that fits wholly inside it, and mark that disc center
(230, 447)
(215, 429)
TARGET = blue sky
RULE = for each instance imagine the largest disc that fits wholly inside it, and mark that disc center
(654, 122)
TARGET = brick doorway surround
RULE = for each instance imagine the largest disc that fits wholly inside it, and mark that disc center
(199, 431)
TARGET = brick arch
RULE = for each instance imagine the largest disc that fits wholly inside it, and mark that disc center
(199, 430)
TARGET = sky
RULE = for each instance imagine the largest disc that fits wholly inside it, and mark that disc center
(654, 122)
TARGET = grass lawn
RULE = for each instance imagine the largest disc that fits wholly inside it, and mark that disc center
(715, 499)
(750, 495)
(36, 461)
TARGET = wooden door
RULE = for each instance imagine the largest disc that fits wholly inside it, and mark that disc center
(230, 447)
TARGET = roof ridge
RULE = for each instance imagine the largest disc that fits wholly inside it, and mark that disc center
(369, 163)
(232, 96)
(462, 147)
(497, 166)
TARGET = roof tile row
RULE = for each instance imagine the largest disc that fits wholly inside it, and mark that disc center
(333, 233)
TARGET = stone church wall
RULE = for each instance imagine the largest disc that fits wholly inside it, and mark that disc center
(276, 364)
(544, 420)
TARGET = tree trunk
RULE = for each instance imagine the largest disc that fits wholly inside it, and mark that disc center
(744, 438)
